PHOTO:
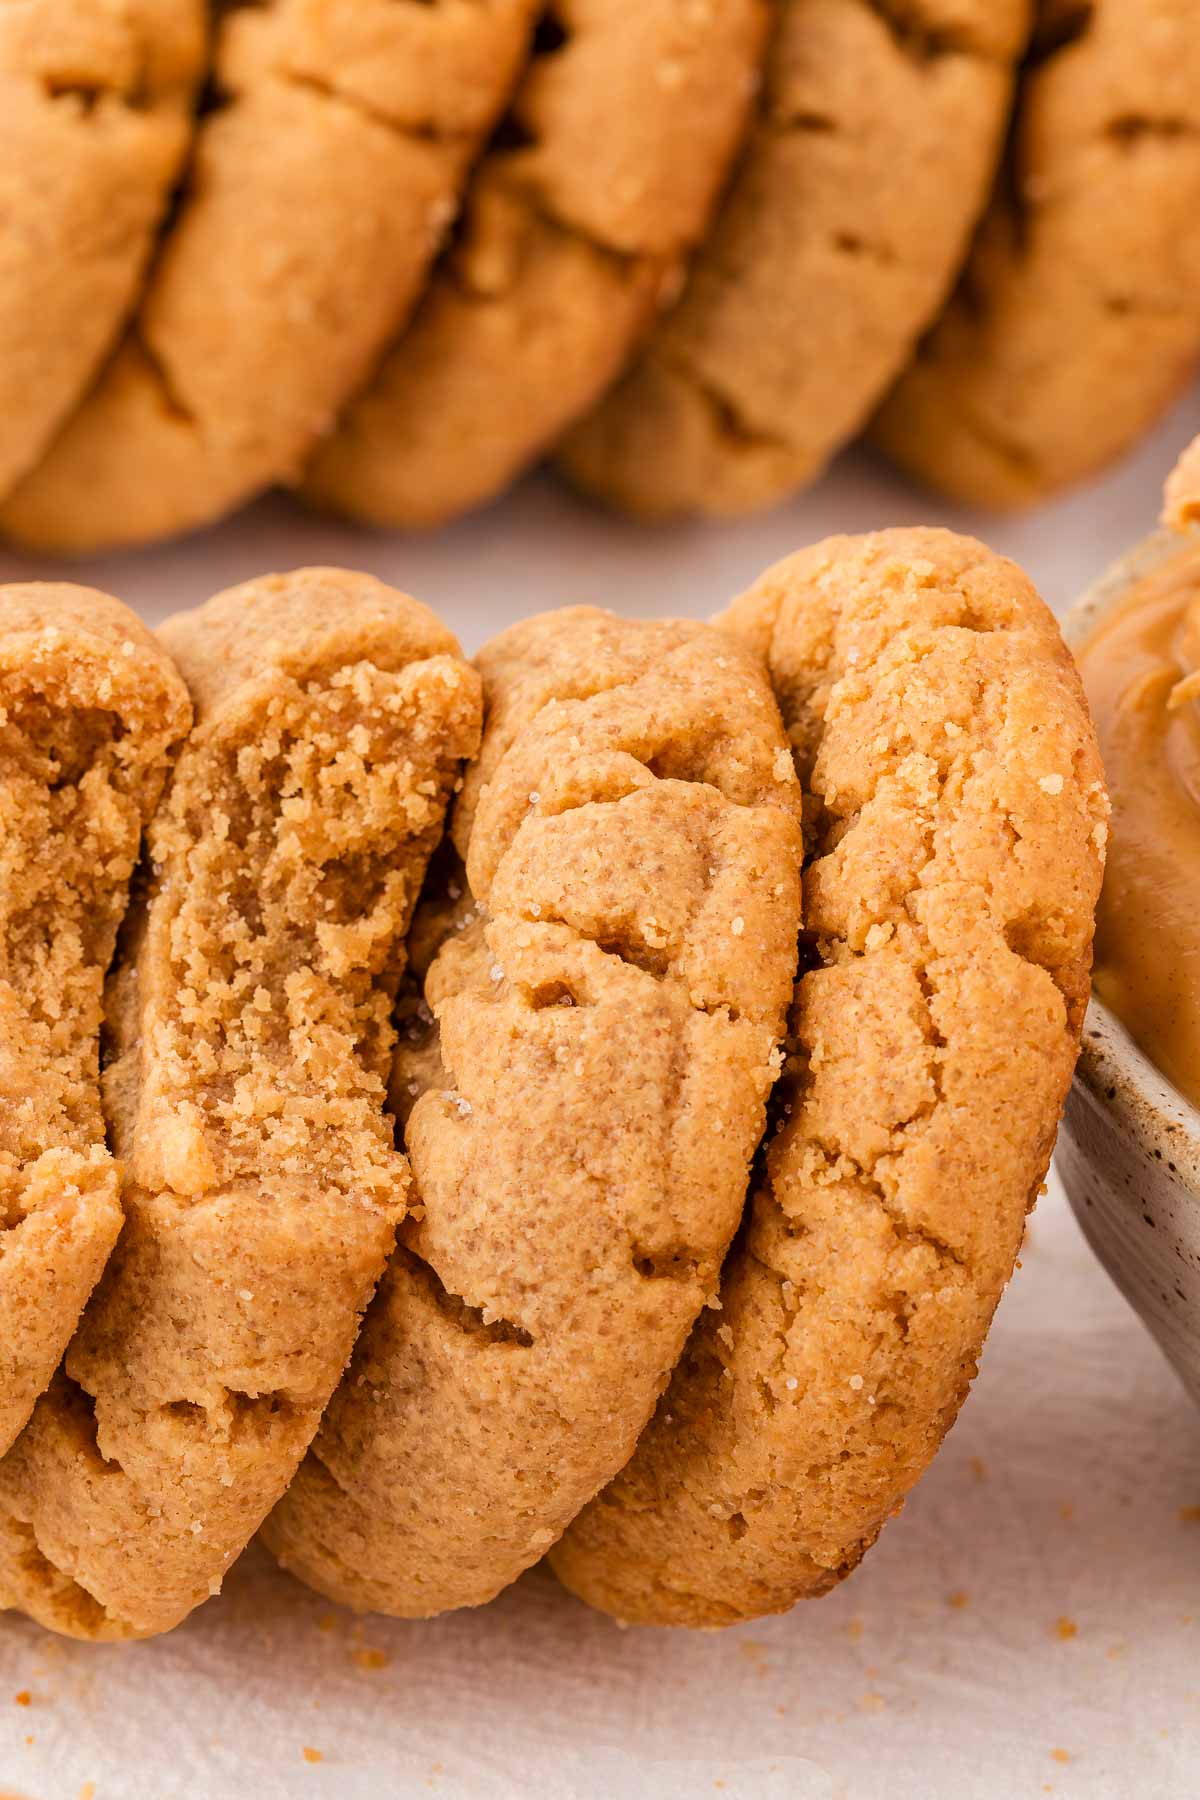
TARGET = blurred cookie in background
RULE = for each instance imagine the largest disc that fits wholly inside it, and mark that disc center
(327, 168)
(866, 168)
(1075, 323)
(95, 121)
(599, 182)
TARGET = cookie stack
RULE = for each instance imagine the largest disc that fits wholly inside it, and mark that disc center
(391, 256)
(625, 1171)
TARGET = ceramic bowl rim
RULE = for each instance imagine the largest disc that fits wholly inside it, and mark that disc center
(1116, 1072)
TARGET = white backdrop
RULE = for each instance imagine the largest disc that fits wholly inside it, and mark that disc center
(1029, 1626)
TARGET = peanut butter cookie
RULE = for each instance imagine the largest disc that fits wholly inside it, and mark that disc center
(867, 166)
(600, 181)
(322, 184)
(955, 825)
(250, 1017)
(1181, 501)
(90, 709)
(1076, 320)
(95, 119)
(606, 1013)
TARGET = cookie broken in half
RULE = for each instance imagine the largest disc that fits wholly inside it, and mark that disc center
(250, 1017)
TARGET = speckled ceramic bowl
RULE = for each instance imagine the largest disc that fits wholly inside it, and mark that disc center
(1129, 1151)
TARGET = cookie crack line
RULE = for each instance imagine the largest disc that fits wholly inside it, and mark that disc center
(730, 423)
(305, 81)
(474, 1321)
(1133, 128)
(1124, 133)
(873, 1188)
(895, 1300)
(541, 209)
(654, 965)
(924, 42)
(87, 96)
(169, 393)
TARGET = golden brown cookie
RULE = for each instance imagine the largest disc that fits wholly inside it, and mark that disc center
(90, 710)
(1181, 501)
(250, 1019)
(955, 819)
(868, 163)
(607, 1009)
(600, 181)
(95, 119)
(322, 184)
(1076, 321)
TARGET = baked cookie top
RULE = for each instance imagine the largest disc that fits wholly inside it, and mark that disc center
(95, 120)
(249, 1019)
(599, 181)
(955, 826)
(866, 167)
(583, 1085)
(90, 711)
(1075, 322)
(322, 182)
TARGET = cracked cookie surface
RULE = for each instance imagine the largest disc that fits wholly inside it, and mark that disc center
(1075, 323)
(95, 121)
(576, 223)
(865, 169)
(90, 711)
(584, 1085)
(249, 1018)
(323, 179)
(955, 823)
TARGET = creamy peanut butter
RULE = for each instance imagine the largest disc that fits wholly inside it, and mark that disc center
(1142, 673)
